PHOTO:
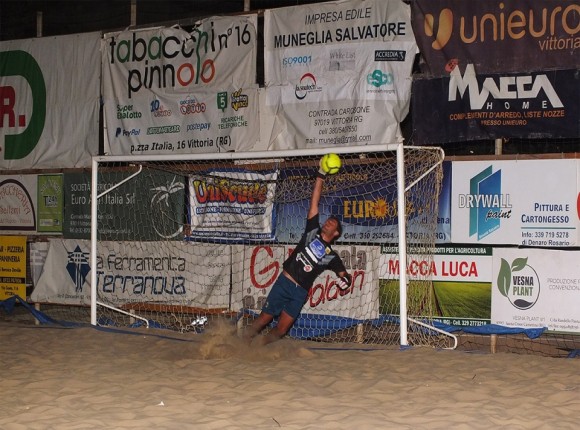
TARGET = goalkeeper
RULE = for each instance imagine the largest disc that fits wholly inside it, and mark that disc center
(312, 255)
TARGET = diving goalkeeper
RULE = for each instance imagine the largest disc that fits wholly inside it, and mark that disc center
(311, 256)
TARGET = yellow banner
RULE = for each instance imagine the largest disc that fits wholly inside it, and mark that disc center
(12, 266)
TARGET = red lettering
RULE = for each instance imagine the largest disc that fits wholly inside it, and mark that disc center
(7, 101)
(270, 266)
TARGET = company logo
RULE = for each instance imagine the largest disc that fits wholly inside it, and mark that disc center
(486, 203)
(342, 59)
(19, 144)
(190, 106)
(507, 88)
(306, 85)
(158, 109)
(78, 267)
(16, 208)
(554, 28)
(239, 100)
(519, 283)
(165, 198)
(390, 55)
(127, 133)
(378, 79)
(222, 100)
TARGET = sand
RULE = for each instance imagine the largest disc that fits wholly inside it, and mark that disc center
(88, 378)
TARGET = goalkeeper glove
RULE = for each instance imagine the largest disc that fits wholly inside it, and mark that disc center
(321, 173)
(344, 282)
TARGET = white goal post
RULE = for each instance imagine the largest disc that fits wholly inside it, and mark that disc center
(181, 240)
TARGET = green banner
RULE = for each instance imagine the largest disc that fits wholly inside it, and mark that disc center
(150, 206)
(49, 204)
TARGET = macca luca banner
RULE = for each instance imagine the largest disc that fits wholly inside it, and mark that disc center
(496, 36)
(524, 202)
(167, 90)
(338, 73)
(49, 102)
(473, 106)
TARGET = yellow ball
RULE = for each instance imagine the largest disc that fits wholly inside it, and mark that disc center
(331, 163)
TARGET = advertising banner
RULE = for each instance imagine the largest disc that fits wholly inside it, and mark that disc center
(148, 207)
(461, 284)
(17, 203)
(536, 288)
(167, 90)
(476, 106)
(338, 73)
(49, 114)
(232, 206)
(12, 266)
(50, 203)
(166, 272)
(360, 301)
(495, 35)
(525, 202)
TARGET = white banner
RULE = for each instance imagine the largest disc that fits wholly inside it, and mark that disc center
(536, 288)
(230, 205)
(18, 197)
(338, 73)
(49, 92)
(160, 272)
(167, 90)
(525, 202)
(360, 301)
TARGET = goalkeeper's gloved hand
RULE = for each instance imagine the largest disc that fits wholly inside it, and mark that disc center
(344, 282)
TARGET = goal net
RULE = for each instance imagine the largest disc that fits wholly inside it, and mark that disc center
(180, 242)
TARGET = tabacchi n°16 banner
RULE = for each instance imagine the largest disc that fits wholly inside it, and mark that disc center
(167, 90)
(49, 102)
(338, 73)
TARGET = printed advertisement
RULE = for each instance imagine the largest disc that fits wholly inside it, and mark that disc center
(50, 203)
(525, 202)
(536, 288)
(12, 266)
(168, 272)
(495, 35)
(359, 301)
(461, 284)
(49, 88)
(474, 106)
(338, 73)
(148, 207)
(17, 203)
(232, 205)
(170, 91)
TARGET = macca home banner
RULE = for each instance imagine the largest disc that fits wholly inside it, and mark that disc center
(49, 101)
(496, 36)
(338, 73)
(171, 91)
(473, 106)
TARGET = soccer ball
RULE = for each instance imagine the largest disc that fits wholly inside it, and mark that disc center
(331, 163)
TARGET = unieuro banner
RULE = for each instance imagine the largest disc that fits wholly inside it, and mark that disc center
(359, 301)
(49, 102)
(536, 288)
(165, 272)
(338, 73)
(475, 106)
(524, 202)
(495, 35)
(167, 90)
(232, 205)
(13, 266)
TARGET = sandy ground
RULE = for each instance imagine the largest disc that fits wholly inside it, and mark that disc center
(87, 378)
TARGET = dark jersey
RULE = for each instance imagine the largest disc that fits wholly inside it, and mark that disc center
(312, 256)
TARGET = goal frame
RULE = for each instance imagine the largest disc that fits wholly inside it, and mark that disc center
(402, 188)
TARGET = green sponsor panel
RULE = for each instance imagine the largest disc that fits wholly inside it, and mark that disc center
(147, 207)
(49, 212)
